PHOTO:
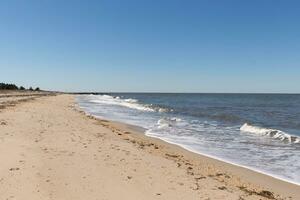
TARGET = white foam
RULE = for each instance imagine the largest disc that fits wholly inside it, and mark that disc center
(164, 110)
(168, 122)
(129, 103)
(277, 134)
(131, 100)
(150, 134)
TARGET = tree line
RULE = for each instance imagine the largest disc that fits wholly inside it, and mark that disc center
(8, 86)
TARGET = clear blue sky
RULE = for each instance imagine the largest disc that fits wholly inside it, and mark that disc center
(151, 45)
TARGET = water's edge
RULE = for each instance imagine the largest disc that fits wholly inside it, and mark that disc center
(142, 130)
(226, 161)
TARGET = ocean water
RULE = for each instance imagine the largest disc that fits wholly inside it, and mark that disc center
(257, 131)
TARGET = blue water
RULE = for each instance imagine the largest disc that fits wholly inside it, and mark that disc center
(258, 131)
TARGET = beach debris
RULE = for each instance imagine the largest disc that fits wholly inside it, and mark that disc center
(222, 188)
(222, 175)
(190, 171)
(199, 178)
(266, 194)
(263, 193)
(133, 141)
(14, 169)
(141, 145)
(196, 186)
(3, 123)
(172, 155)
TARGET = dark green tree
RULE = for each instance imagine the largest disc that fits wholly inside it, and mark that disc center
(5, 86)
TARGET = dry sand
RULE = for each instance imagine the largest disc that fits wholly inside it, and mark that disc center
(50, 150)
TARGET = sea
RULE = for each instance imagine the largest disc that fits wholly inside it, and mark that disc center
(257, 131)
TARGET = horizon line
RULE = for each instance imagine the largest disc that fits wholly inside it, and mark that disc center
(89, 92)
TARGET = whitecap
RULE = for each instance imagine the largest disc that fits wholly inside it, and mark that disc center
(129, 103)
(277, 134)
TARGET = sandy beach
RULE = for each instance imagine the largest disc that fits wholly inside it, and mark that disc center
(49, 149)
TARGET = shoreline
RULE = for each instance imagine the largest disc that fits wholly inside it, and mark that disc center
(229, 162)
(143, 131)
(232, 168)
(59, 152)
(140, 130)
(254, 146)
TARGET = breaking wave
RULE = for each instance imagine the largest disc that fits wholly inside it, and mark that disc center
(277, 134)
(129, 103)
(167, 122)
